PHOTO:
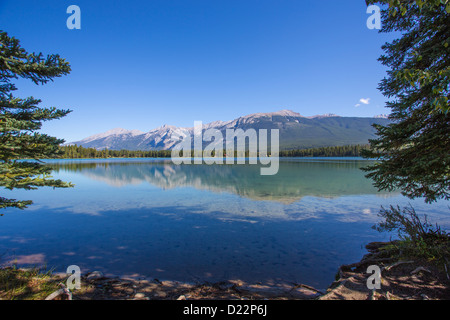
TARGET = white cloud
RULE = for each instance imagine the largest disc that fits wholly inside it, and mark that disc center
(364, 101)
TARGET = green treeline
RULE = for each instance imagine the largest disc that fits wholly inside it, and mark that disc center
(79, 152)
(339, 151)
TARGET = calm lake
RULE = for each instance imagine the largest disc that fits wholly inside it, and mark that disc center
(149, 218)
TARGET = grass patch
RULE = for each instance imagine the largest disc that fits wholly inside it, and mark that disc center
(27, 284)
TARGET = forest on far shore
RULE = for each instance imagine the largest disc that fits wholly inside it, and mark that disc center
(79, 152)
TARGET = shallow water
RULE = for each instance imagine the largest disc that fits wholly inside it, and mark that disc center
(150, 218)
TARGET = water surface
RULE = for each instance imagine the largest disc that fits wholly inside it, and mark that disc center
(150, 218)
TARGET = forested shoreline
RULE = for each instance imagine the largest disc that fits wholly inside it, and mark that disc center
(79, 152)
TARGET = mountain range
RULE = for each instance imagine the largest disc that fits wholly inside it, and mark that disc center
(296, 132)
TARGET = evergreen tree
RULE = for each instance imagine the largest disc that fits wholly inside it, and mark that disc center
(414, 150)
(20, 119)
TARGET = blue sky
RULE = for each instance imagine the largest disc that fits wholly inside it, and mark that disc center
(142, 64)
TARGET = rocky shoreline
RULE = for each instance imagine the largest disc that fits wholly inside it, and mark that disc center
(401, 280)
(410, 279)
(131, 289)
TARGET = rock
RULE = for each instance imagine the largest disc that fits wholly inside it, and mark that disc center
(224, 285)
(160, 294)
(95, 275)
(182, 297)
(304, 293)
(139, 296)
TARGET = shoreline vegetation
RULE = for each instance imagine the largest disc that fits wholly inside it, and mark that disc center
(402, 278)
(79, 152)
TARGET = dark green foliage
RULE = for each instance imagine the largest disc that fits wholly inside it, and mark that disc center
(338, 151)
(21, 118)
(78, 152)
(414, 150)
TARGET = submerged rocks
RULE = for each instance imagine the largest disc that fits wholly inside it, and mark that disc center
(95, 286)
(95, 275)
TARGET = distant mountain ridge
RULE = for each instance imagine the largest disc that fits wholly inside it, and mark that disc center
(296, 132)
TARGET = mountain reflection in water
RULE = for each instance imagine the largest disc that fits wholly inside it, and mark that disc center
(295, 179)
(151, 218)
